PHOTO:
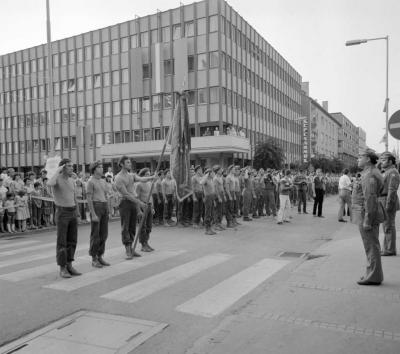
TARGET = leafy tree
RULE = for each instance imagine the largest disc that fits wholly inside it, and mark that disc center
(268, 154)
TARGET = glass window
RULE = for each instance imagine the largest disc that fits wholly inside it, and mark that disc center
(63, 58)
(146, 71)
(154, 36)
(137, 135)
(16, 146)
(135, 105)
(99, 140)
(88, 52)
(81, 113)
(96, 50)
(57, 116)
(167, 100)
(115, 77)
(124, 44)
(80, 83)
(201, 61)
(106, 49)
(144, 39)
(65, 142)
(88, 82)
(55, 62)
(189, 29)
(156, 102)
(15, 121)
(117, 137)
(125, 76)
(176, 31)
(72, 114)
(35, 144)
(191, 98)
(57, 143)
(214, 94)
(127, 136)
(169, 67)
(134, 41)
(125, 107)
(145, 104)
(106, 79)
(107, 138)
(71, 85)
(19, 67)
(71, 57)
(79, 55)
(114, 46)
(166, 34)
(33, 67)
(56, 88)
(41, 91)
(73, 142)
(202, 96)
(97, 110)
(64, 115)
(27, 66)
(214, 62)
(191, 63)
(96, 80)
(42, 118)
(89, 112)
(116, 108)
(107, 109)
(213, 23)
(146, 134)
(22, 146)
(21, 122)
(64, 86)
(201, 26)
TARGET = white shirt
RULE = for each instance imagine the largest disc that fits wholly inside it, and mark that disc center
(345, 182)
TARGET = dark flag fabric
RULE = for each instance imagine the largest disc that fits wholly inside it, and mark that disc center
(180, 149)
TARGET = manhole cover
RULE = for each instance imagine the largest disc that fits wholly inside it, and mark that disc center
(87, 332)
(291, 254)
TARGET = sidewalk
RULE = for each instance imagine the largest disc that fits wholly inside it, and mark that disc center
(315, 306)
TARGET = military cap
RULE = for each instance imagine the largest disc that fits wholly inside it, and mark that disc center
(143, 171)
(230, 167)
(197, 167)
(216, 168)
(94, 165)
(387, 154)
(208, 170)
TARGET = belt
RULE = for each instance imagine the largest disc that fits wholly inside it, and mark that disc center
(66, 208)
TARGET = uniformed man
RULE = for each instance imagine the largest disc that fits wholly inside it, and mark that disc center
(301, 186)
(219, 198)
(168, 187)
(247, 194)
(231, 196)
(367, 214)
(209, 196)
(198, 196)
(390, 200)
(270, 187)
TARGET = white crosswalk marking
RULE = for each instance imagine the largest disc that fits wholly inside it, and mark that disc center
(218, 298)
(43, 269)
(16, 244)
(148, 286)
(36, 257)
(109, 272)
(27, 249)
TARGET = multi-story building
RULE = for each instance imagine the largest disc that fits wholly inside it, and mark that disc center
(348, 140)
(321, 129)
(362, 139)
(119, 83)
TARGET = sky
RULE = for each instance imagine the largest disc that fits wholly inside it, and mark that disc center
(309, 34)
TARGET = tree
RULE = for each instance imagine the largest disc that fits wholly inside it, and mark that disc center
(268, 154)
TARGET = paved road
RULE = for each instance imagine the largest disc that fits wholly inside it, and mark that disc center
(230, 293)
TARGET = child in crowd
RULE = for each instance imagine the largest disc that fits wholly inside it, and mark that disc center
(29, 188)
(22, 214)
(9, 205)
(37, 205)
(2, 216)
(47, 205)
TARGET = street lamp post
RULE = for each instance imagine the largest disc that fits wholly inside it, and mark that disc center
(386, 108)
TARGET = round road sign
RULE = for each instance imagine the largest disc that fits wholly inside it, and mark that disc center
(394, 125)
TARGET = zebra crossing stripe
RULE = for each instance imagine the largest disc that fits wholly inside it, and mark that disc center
(47, 268)
(110, 272)
(36, 257)
(27, 249)
(148, 286)
(16, 244)
(215, 300)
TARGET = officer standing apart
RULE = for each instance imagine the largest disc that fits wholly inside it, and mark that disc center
(96, 194)
(390, 200)
(318, 189)
(368, 214)
(344, 194)
(66, 217)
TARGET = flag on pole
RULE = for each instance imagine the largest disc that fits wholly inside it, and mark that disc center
(180, 149)
(383, 140)
(385, 108)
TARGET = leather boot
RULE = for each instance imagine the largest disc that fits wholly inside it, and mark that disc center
(96, 263)
(64, 273)
(71, 270)
(128, 249)
(102, 261)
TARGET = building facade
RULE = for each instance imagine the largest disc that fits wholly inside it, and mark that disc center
(362, 140)
(114, 90)
(348, 140)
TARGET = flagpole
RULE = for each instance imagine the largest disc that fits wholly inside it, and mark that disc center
(139, 230)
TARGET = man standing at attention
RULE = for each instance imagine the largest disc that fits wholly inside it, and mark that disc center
(198, 196)
(390, 201)
(318, 189)
(344, 194)
(168, 186)
(66, 217)
(130, 206)
(96, 195)
(301, 185)
(209, 196)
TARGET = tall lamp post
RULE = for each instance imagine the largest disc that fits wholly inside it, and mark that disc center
(386, 108)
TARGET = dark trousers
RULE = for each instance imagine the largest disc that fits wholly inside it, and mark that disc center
(389, 228)
(160, 209)
(247, 203)
(370, 239)
(67, 234)
(209, 207)
(146, 227)
(319, 199)
(238, 204)
(270, 205)
(302, 196)
(198, 206)
(36, 215)
(184, 209)
(128, 214)
(99, 229)
(260, 203)
(156, 206)
(168, 206)
(2, 222)
(218, 211)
